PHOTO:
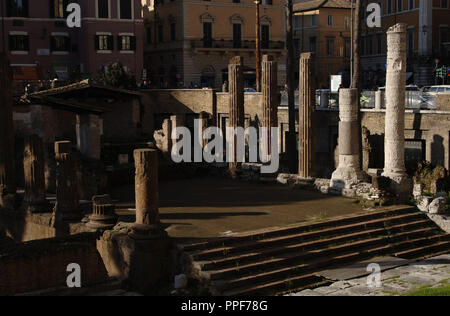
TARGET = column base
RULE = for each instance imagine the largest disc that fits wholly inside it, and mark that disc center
(145, 232)
(400, 185)
(102, 222)
(345, 177)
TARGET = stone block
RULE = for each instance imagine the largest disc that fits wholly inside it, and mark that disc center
(423, 203)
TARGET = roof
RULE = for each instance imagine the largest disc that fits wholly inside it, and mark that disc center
(85, 84)
(317, 4)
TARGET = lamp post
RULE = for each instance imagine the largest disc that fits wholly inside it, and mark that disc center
(258, 49)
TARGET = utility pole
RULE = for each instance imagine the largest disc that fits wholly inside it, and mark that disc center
(258, 48)
(290, 74)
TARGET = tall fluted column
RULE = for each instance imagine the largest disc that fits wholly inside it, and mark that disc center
(67, 200)
(34, 174)
(348, 171)
(236, 103)
(269, 101)
(146, 187)
(394, 151)
(307, 107)
(7, 153)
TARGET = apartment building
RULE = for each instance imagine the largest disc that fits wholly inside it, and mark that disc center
(40, 45)
(189, 42)
(428, 39)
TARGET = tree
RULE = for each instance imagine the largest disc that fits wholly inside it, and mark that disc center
(117, 77)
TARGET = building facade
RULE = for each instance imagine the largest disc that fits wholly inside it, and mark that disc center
(189, 42)
(39, 43)
(324, 27)
(428, 39)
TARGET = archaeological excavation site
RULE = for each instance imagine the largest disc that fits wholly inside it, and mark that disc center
(278, 172)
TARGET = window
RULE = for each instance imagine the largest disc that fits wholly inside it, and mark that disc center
(265, 36)
(330, 20)
(103, 9)
(104, 42)
(411, 4)
(17, 8)
(444, 4)
(313, 20)
(127, 42)
(60, 43)
(125, 10)
(330, 46)
(207, 34)
(173, 31)
(160, 33)
(347, 22)
(363, 45)
(236, 1)
(313, 44)
(347, 48)
(58, 8)
(296, 22)
(389, 6)
(410, 42)
(19, 43)
(370, 45)
(237, 35)
(148, 31)
(399, 5)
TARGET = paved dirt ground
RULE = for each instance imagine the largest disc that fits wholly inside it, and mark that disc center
(210, 207)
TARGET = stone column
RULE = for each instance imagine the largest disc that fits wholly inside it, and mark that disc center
(167, 131)
(307, 108)
(7, 152)
(394, 150)
(378, 100)
(103, 213)
(236, 104)
(269, 101)
(88, 135)
(146, 186)
(67, 201)
(34, 173)
(348, 171)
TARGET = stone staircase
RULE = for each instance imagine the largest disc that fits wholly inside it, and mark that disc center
(282, 260)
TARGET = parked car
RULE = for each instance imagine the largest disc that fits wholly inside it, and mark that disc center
(437, 89)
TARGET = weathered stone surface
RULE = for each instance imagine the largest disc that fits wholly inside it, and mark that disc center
(103, 213)
(395, 113)
(270, 102)
(423, 203)
(437, 206)
(236, 110)
(146, 187)
(417, 190)
(348, 171)
(34, 174)
(67, 199)
(306, 116)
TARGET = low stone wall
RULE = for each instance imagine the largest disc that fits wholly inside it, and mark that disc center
(43, 264)
(443, 102)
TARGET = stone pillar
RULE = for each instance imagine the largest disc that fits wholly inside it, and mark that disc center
(34, 174)
(67, 201)
(236, 104)
(7, 151)
(88, 135)
(146, 186)
(103, 213)
(348, 171)
(269, 101)
(307, 107)
(378, 100)
(394, 150)
(167, 131)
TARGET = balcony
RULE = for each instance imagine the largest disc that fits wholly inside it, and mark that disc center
(210, 45)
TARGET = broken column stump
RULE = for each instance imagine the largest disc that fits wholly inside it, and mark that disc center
(103, 215)
(67, 201)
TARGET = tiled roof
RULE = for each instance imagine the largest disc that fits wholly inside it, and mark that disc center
(317, 4)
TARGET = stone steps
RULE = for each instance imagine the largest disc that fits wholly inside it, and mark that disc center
(280, 260)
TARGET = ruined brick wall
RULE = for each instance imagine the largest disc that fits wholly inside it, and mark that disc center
(42, 264)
